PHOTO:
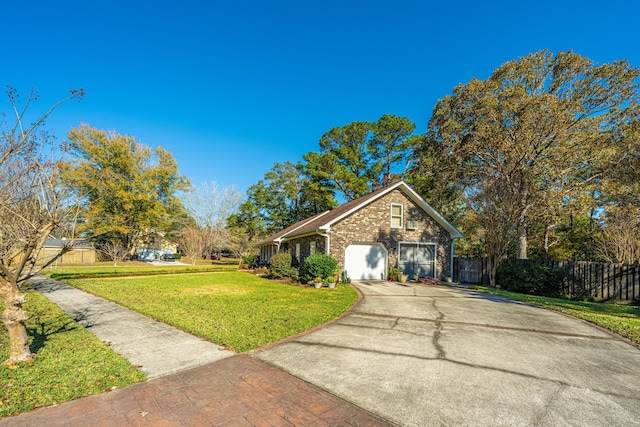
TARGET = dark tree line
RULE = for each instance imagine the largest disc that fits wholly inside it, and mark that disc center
(541, 159)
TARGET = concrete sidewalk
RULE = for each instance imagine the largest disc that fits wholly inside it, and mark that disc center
(156, 348)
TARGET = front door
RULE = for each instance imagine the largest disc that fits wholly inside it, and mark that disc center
(417, 258)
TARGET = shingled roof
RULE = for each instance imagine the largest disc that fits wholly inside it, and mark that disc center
(322, 222)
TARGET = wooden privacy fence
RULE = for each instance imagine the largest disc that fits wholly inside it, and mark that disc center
(599, 280)
(471, 270)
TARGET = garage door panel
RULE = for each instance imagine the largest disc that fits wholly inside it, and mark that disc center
(365, 262)
(425, 254)
(417, 258)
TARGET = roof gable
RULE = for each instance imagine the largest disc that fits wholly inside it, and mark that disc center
(325, 220)
(276, 238)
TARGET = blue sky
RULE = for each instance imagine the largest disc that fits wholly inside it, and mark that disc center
(232, 87)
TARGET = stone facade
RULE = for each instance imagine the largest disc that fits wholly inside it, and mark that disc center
(372, 224)
(306, 243)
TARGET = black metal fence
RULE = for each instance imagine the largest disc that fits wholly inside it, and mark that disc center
(598, 280)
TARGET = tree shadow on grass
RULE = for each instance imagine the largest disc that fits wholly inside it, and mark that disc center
(42, 332)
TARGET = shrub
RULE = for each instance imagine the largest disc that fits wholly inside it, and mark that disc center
(177, 256)
(249, 261)
(392, 272)
(319, 265)
(280, 266)
(344, 277)
(530, 278)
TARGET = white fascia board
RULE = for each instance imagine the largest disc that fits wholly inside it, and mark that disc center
(286, 236)
(453, 232)
(360, 206)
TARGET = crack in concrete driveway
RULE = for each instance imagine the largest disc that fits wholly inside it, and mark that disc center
(423, 355)
(438, 332)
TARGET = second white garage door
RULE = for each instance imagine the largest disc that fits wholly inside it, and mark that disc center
(365, 261)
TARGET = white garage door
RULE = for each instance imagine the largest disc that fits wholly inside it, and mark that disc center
(365, 262)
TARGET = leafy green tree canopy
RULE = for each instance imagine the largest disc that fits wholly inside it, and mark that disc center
(128, 191)
(283, 197)
(530, 137)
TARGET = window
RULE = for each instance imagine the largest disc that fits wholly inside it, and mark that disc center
(312, 247)
(297, 251)
(396, 215)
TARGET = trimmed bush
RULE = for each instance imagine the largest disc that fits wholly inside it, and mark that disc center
(280, 266)
(530, 278)
(319, 265)
(249, 261)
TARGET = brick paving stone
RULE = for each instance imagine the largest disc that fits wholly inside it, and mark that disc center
(236, 391)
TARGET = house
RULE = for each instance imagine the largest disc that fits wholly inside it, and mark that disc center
(152, 251)
(82, 252)
(392, 226)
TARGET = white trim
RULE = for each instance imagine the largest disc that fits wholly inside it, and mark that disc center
(453, 232)
(327, 249)
(451, 262)
(362, 205)
(326, 227)
(287, 236)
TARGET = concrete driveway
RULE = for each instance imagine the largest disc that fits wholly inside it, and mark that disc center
(422, 355)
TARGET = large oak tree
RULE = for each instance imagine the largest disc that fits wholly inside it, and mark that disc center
(127, 190)
(530, 138)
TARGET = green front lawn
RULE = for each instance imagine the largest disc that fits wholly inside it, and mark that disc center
(620, 318)
(234, 309)
(66, 273)
(237, 310)
(71, 362)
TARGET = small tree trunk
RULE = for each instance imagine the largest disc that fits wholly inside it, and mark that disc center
(546, 242)
(493, 268)
(522, 240)
(14, 317)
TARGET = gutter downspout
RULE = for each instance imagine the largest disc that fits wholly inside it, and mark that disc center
(327, 249)
(451, 274)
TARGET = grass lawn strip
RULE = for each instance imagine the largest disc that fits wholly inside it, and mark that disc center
(71, 362)
(619, 318)
(238, 310)
(68, 273)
